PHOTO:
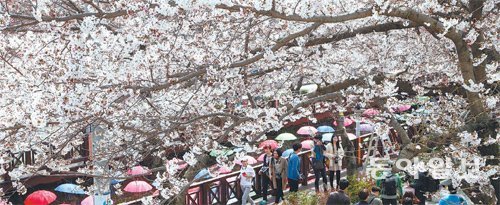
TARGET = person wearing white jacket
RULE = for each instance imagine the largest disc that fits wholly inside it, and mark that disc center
(246, 180)
(334, 153)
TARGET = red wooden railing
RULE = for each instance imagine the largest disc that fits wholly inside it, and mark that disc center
(222, 189)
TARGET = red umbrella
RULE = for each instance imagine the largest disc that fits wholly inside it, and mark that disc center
(137, 170)
(137, 187)
(272, 143)
(40, 197)
(347, 122)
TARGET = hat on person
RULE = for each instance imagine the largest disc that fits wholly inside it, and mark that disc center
(244, 159)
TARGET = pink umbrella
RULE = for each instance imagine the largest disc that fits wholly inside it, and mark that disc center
(137, 170)
(307, 130)
(272, 143)
(402, 108)
(251, 160)
(137, 187)
(40, 197)
(261, 157)
(347, 122)
(224, 170)
(351, 136)
(370, 112)
(89, 200)
(307, 144)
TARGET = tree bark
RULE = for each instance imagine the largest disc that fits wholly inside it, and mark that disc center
(347, 146)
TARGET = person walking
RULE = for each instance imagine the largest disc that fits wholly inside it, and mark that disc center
(318, 162)
(334, 153)
(265, 172)
(363, 197)
(293, 172)
(279, 175)
(246, 178)
(374, 199)
(339, 197)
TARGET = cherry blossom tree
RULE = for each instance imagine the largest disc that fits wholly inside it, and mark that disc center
(162, 75)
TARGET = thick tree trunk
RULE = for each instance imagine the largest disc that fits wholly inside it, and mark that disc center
(347, 146)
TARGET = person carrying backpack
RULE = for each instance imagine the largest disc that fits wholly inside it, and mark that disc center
(391, 186)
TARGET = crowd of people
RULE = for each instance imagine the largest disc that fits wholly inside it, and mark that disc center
(278, 171)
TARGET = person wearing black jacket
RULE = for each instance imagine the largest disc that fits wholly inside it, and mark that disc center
(424, 183)
(363, 196)
(265, 171)
(339, 197)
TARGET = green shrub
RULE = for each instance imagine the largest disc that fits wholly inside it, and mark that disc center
(301, 198)
(356, 184)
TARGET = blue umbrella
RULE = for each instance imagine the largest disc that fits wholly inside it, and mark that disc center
(327, 137)
(116, 181)
(203, 173)
(238, 149)
(70, 189)
(325, 128)
(287, 153)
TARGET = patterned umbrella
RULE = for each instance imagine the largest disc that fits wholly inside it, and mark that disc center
(325, 129)
(138, 187)
(40, 197)
(286, 136)
(271, 143)
(307, 130)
